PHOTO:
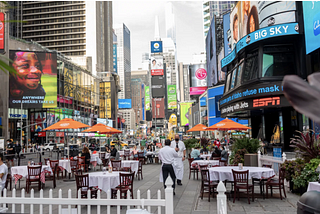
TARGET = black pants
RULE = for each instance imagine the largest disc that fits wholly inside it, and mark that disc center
(166, 170)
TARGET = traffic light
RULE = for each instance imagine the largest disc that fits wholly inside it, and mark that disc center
(22, 133)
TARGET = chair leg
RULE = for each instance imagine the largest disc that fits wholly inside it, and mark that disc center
(280, 191)
(209, 194)
(202, 190)
(197, 174)
(271, 191)
(284, 191)
(189, 173)
(234, 195)
(248, 196)
(253, 194)
(266, 191)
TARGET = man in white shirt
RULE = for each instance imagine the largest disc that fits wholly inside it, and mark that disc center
(167, 156)
(3, 173)
(180, 148)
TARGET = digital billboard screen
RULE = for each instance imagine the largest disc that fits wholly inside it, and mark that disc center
(35, 83)
(184, 108)
(124, 103)
(198, 79)
(226, 34)
(311, 16)
(147, 97)
(211, 55)
(2, 27)
(156, 46)
(172, 96)
(158, 86)
(158, 108)
(157, 65)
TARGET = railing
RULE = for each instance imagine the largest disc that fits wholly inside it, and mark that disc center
(167, 202)
(221, 199)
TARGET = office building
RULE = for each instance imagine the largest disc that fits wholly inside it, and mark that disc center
(137, 97)
(129, 118)
(124, 60)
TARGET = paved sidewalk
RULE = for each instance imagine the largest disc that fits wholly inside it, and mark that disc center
(186, 200)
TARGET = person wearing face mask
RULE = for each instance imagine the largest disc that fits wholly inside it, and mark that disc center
(180, 148)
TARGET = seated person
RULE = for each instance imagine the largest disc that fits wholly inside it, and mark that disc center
(114, 151)
(204, 150)
(134, 151)
(3, 173)
(86, 153)
(150, 149)
(195, 154)
(216, 153)
(224, 154)
(143, 150)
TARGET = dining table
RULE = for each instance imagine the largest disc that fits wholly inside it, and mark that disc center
(133, 164)
(224, 173)
(94, 160)
(65, 165)
(19, 172)
(104, 180)
(204, 162)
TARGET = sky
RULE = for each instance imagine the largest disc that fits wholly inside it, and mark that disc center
(139, 17)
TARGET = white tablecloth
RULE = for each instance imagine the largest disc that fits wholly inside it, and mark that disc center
(150, 153)
(95, 157)
(313, 186)
(225, 173)
(65, 164)
(133, 164)
(204, 162)
(23, 170)
(205, 156)
(104, 181)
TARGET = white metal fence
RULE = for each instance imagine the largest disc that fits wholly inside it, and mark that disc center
(166, 203)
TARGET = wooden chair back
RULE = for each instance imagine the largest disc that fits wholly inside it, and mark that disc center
(203, 167)
(53, 163)
(267, 166)
(82, 182)
(126, 181)
(74, 164)
(190, 160)
(34, 172)
(240, 177)
(140, 154)
(127, 152)
(205, 177)
(116, 165)
(102, 155)
(46, 161)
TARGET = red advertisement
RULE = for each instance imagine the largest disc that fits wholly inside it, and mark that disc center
(1, 31)
(157, 72)
(158, 108)
(197, 90)
(59, 134)
(41, 134)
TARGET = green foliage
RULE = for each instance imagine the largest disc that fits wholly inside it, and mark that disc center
(204, 142)
(251, 145)
(292, 166)
(308, 174)
(239, 156)
(307, 145)
(191, 143)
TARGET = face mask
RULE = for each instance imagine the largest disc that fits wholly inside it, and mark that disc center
(177, 139)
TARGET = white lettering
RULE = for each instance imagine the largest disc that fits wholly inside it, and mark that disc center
(285, 28)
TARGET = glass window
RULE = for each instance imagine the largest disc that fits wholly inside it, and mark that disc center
(239, 74)
(227, 83)
(278, 61)
(234, 74)
(251, 67)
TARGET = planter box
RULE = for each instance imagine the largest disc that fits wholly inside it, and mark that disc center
(250, 160)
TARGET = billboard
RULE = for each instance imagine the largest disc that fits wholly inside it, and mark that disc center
(147, 97)
(158, 108)
(156, 46)
(35, 84)
(124, 103)
(157, 65)
(221, 71)
(198, 79)
(105, 121)
(203, 101)
(211, 55)
(158, 86)
(311, 16)
(184, 108)
(226, 34)
(115, 58)
(2, 26)
(172, 96)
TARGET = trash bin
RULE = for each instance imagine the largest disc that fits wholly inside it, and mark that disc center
(309, 203)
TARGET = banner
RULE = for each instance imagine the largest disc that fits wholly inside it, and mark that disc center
(36, 84)
(311, 16)
(198, 79)
(156, 46)
(124, 103)
(157, 65)
(184, 108)
(2, 26)
(172, 96)
(147, 96)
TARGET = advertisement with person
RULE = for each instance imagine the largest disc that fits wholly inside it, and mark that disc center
(184, 108)
(147, 98)
(35, 83)
(198, 79)
(158, 108)
(311, 16)
(157, 65)
(172, 96)
(211, 55)
(226, 34)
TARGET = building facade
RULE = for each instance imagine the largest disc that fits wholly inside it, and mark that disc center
(129, 118)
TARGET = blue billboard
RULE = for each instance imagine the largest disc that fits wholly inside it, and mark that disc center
(115, 64)
(124, 103)
(203, 101)
(226, 34)
(142, 103)
(156, 46)
(311, 16)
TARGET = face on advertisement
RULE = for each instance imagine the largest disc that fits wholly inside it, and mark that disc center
(246, 7)
(253, 20)
(235, 28)
(154, 62)
(28, 67)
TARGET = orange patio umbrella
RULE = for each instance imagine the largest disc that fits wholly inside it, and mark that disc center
(102, 129)
(66, 123)
(227, 124)
(198, 128)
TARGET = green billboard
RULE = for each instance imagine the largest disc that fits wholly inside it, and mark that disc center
(184, 107)
(147, 98)
(172, 96)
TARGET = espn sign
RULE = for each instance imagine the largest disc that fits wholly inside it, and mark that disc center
(270, 101)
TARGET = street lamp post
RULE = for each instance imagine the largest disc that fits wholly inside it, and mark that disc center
(21, 125)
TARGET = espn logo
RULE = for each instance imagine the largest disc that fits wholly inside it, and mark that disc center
(270, 101)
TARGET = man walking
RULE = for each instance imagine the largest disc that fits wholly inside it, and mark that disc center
(167, 156)
(180, 148)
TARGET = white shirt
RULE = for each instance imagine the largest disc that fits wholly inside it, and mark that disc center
(167, 155)
(181, 146)
(4, 170)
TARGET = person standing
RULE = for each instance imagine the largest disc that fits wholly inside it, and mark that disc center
(10, 152)
(3, 173)
(180, 148)
(17, 148)
(167, 156)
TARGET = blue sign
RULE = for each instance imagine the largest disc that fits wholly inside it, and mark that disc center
(143, 108)
(226, 34)
(124, 103)
(203, 102)
(311, 16)
(228, 59)
(156, 47)
(115, 57)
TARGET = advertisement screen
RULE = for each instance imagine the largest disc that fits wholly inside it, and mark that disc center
(221, 71)
(198, 79)
(147, 96)
(158, 86)
(35, 84)
(158, 108)
(184, 107)
(124, 103)
(157, 65)
(226, 34)
(211, 55)
(203, 101)
(172, 96)
(2, 32)
(156, 47)
(311, 16)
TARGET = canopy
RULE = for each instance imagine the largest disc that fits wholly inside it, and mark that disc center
(102, 129)
(198, 128)
(66, 123)
(227, 124)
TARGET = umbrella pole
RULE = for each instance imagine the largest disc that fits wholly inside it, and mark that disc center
(69, 180)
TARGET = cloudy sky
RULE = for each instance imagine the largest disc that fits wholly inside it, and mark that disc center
(139, 17)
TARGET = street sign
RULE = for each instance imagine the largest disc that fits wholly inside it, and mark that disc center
(158, 105)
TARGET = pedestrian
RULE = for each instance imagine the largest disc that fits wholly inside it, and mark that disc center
(17, 148)
(180, 148)
(3, 173)
(167, 155)
(10, 152)
(86, 153)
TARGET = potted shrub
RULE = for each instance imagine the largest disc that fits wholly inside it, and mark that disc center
(239, 156)
(307, 145)
(251, 146)
(190, 143)
(291, 167)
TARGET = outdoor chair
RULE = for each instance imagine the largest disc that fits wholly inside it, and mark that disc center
(33, 177)
(126, 183)
(192, 169)
(46, 160)
(139, 173)
(73, 166)
(241, 181)
(261, 181)
(277, 183)
(223, 162)
(82, 163)
(141, 157)
(53, 163)
(52, 176)
(8, 180)
(126, 169)
(203, 167)
(116, 165)
(206, 184)
(126, 155)
(102, 156)
(82, 182)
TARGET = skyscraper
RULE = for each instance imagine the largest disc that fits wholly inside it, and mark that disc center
(124, 60)
(170, 23)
